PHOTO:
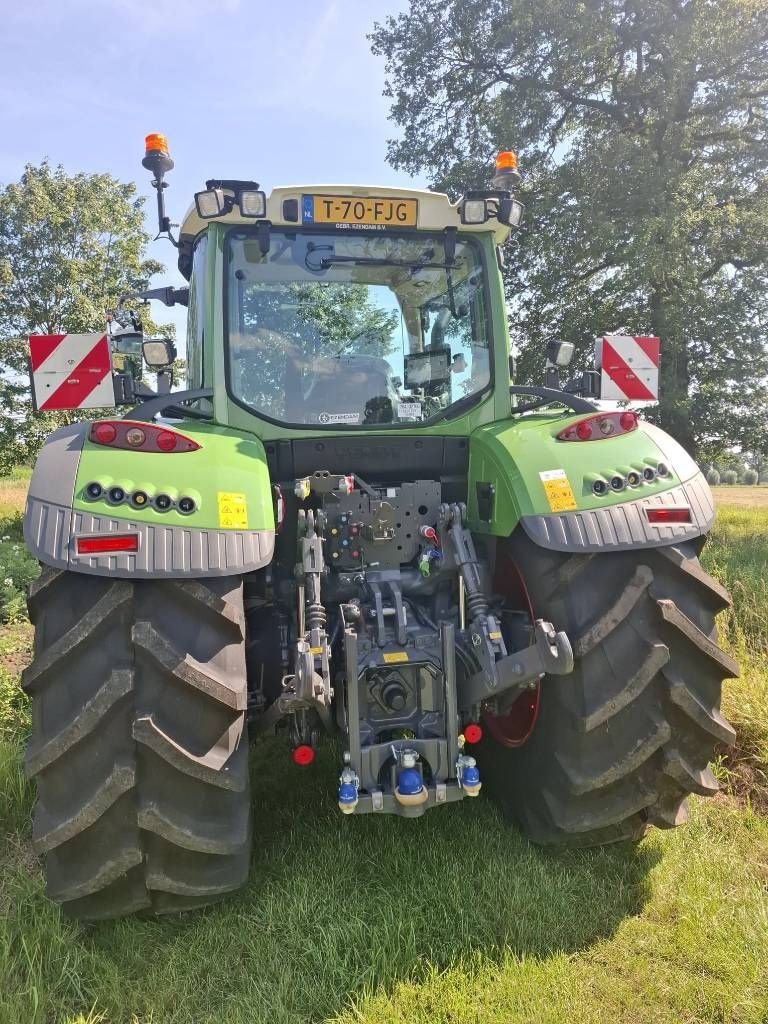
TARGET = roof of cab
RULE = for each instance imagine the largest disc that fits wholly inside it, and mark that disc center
(435, 209)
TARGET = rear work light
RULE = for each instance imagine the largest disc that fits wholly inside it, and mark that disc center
(108, 543)
(664, 516)
(599, 426)
(140, 437)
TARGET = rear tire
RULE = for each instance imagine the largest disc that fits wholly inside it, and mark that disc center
(620, 742)
(139, 745)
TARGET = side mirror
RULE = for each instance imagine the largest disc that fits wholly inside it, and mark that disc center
(159, 353)
(127, 343)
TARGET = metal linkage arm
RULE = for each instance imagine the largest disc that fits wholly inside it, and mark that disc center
(485, 632)
(310, 684)
(498, 671)
(550, 654)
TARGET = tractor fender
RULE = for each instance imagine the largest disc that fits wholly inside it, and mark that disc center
(230, 531)
(521, 474)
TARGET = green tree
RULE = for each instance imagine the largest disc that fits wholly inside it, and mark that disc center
(70, 245)
(641, 126)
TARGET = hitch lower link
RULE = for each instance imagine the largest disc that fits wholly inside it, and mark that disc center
(308, 688)
(498, 671)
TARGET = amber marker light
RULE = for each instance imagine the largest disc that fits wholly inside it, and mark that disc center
(506, 160)
(156, 143)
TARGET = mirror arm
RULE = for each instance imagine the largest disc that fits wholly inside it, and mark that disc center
(169, 296)
(145, 412)
(553, 395)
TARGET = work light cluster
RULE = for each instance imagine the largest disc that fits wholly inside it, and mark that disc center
(632, 478)
(117, 495)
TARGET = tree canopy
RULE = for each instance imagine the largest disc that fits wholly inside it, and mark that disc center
(70, 245)
(641, 128)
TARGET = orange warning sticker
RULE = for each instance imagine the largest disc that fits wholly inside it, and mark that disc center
(558, 490)
(233, 511)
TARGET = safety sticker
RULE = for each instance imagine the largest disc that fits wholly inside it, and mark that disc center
(393, 657)
(233, 511)
(339, 417)
(558, 491)
(409, 410)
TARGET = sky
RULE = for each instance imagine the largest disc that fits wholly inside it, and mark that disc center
(279, 92)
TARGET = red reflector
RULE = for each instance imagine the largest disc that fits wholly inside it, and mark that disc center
(584, 430)
(473, 733)
(668, 515)
(303, 755)
(109, 542)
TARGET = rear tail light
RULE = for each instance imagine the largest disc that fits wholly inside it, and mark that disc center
(103, 433)
(109, 543)
(602, 424)
(167, 441)
(140, 437)
(663, 516)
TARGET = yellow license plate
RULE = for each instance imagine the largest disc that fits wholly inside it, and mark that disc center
(384, 211)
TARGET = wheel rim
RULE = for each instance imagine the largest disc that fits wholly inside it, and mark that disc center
(514, 727)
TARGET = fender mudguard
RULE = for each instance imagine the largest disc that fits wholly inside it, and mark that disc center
(521, 474)
(230, 531)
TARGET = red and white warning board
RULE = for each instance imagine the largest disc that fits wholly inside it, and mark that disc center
(71, 371)
(629, 367)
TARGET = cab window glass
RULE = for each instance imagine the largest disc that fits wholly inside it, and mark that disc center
(196, 315)
(356, 329)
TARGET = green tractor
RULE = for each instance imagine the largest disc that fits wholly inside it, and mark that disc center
(352, 524)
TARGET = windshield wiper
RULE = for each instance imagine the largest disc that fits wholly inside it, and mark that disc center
(373, 261)
(424, 261)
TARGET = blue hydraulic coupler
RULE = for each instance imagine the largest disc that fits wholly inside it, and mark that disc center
(348, 786)
(410, 790)
(409, 782)
(469, 775)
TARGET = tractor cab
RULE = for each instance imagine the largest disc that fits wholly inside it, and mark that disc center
(343, 308)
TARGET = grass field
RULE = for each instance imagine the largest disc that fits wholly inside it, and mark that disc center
(744, 497)
(454, 919)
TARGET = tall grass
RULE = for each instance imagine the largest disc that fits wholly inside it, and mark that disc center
(737, 554)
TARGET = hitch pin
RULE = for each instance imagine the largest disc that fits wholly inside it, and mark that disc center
(301, 610)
